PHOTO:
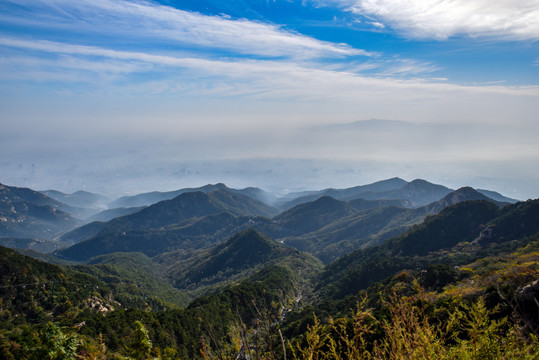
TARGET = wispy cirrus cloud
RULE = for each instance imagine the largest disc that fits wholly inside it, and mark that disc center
(442, 19)
(143, 20)
(101, 78)
(305, 93)
(252, 77)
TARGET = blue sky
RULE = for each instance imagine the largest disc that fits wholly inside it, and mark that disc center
(128, 96)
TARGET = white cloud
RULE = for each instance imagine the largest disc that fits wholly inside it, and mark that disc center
(378, 24)
(216, 99)
(144, 20)
(441, 19)
(255, 78)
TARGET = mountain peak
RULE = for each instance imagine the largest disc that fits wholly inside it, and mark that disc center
(213, 187)
(243, 252)
(251, 238)
(326, 200)
(464, 193)
(417, 183)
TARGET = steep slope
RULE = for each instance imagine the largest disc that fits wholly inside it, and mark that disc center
(467, 230)
(133, 273)
(361, 229)
(234, 259)
(25, 213)
(18, 194)
(34, 291)
(311, 216)
(460, 222)
(515, 221)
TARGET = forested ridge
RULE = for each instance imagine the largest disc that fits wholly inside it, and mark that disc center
(460, 284)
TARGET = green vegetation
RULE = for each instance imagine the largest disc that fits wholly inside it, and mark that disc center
(135, 280)
(25, 213)
(460, 285)
(233, 260)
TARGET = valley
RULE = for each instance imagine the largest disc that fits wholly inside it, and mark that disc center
(215, 272)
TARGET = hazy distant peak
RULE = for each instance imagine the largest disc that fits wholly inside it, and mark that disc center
(462, 194)
(465, 193)
(326, 199)
(189, 195)
(213, 187)
(422, 183)
(497, 196)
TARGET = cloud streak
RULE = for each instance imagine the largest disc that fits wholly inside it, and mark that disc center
(273, 72)
(142, 20)
(442, 19)
(143, 88)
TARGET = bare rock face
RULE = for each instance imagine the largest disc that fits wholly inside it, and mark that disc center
(100, 305)
(528, 304)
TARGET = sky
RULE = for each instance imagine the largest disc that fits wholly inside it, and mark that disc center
(122, 97)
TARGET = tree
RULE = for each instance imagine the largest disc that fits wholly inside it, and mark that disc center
(140, 346)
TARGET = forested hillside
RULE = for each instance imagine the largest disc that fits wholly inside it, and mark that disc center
(208, 281)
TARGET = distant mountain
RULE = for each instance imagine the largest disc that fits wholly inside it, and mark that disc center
(462, 194)
(290, 200)
(18, 194)
(81, 199)
(369, 227)
(81, 233)
(150, 198)
(153, 197)
(327, 228)
(307, 217)
(418, 192)
(497, 196)
(25, 213)
(180, 224)
(110, 214)
(357, 191)
(189, 205)
(233, 259)
(258, 194)
(190, 234)
(410, 194)
(360, 229)
(362, 204)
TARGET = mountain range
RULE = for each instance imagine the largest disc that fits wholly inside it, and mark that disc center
(208, 271)
(334, 223)
(29, 214)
